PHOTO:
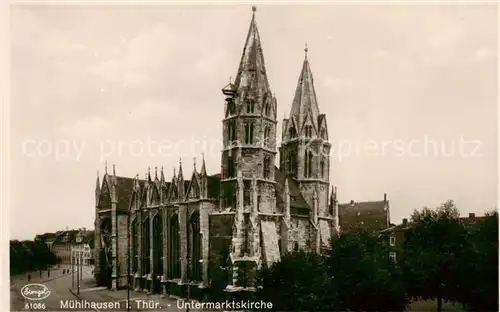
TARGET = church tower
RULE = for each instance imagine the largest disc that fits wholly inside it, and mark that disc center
(249, 131)
(305, 150)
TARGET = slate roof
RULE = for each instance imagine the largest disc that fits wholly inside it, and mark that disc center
(373, 215)
(296, 199)
(125, 189)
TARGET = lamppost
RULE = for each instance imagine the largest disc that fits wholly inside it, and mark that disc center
(72, 268)
(80, 253)
(77, 276)
(128, 261)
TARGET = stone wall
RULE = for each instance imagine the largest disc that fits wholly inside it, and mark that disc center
(301, 233)
(121, 223)
(220, 237)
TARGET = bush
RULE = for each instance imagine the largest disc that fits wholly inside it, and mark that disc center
(297, 283)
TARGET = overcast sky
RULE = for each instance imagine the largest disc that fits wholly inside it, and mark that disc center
(409, 93)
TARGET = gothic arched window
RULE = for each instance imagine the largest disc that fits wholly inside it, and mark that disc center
(135, 248)
(292, 133)
(322, 165)
(145, 246)
(174, 248)
(194, 247)
(267, 110)
(267, 167)
(308, 131)
(158, 245)
(250, 106)
(230, 106)
(308, 164)
(230, 166)
(291, 162)
(267, 132)
(249, 133)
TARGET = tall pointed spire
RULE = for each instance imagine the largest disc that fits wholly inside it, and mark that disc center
(162, 176)
(180, 169)
(97, 183)
(156, 172)
(304, 102)
(203, 168)
(252, 71)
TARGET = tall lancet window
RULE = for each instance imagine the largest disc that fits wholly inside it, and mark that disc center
(322, 166)
(267, 110)
(267, 168)
(291, 162)
(194, 247)
(267, 132)
(145, 247)
(231, 132)
(250, 106)
(230, 107)
(230, 166)
(158, 245)
(308, 164)
(292, 133)
(308, 131)
(249, 133)
(174, 248)
(135, 244)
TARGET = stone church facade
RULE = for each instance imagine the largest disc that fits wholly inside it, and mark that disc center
(244, 218)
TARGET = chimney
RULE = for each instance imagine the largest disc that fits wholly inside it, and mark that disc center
(405, 222)
(352, 202)
(385, 197)
(472, 215)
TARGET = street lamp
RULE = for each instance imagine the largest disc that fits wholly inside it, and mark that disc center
(128, 261)
(77, 276)
(72, 268)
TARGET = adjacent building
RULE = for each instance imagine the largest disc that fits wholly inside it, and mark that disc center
(395, 235)
(63, 242)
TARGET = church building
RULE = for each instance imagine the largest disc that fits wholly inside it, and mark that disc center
(176, 231)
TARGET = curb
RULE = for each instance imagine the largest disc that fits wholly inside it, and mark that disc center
(79, 297)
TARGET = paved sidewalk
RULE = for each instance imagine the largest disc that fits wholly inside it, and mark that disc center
(139, 301)
(55, 273)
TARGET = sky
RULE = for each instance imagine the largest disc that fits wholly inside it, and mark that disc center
(409, 92)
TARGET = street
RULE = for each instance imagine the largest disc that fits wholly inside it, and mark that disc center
(58, 286)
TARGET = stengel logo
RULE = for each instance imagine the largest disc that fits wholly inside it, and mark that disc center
(35, 291)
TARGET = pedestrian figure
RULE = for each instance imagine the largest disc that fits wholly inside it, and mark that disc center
(48, 273)
(29, 277)
(64, 271)
(40, 273)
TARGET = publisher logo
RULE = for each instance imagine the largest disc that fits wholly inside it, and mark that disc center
(35, 291)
